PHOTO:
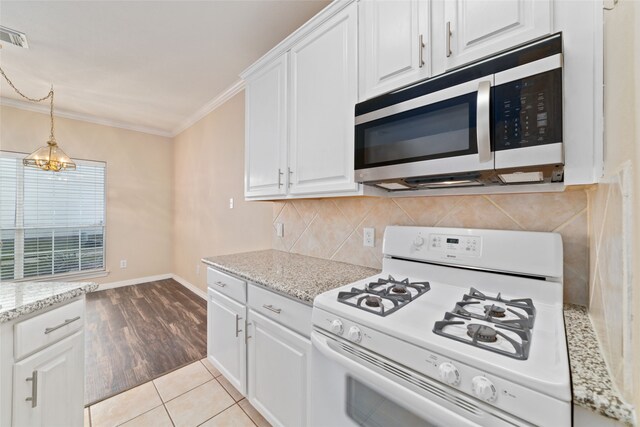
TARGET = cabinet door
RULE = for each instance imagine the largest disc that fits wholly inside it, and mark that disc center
(53, 381)
(481, 28)
(394, 45)
(278, 370)
(226, 347)
(266, 130)
(323, 96)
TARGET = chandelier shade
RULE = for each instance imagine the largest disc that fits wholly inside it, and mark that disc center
(49, 158)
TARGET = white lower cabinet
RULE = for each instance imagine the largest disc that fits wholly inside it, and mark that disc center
(48, 386)
(226, 338)
(278, 372)
(42, 367)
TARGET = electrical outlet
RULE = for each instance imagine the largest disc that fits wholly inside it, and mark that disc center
(279, 229)
(123, 263)
(369, 239)
(231, 203)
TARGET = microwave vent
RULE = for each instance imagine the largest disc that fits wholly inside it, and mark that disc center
(521, 177)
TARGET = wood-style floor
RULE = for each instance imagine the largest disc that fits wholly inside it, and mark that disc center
(137, 333)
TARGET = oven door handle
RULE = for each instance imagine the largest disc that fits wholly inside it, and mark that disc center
(430, 409)
(483, 121)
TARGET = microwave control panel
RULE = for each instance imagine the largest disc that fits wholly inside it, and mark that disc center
(456, 245)
(528, 112)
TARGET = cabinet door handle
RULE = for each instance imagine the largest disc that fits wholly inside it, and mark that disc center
(34, 389)
(220, 284)
(448, 35)
(290, 172)
(61, 325)
(272, 308)
(421, 47)
(280, 173)
(238, 330)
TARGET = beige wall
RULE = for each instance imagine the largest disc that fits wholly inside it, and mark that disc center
(615, 205)
(209, 169)
(332, 228)
(138, 221)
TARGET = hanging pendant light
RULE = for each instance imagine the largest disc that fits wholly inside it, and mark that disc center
(50, 157)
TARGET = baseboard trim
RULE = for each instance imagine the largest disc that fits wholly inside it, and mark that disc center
(136, 281)
(193, 288)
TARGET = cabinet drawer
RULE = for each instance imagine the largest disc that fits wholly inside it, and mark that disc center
(294, 315)
(47, 328)
(227, 285)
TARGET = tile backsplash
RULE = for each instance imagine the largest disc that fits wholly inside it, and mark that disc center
(332, 228)
(610, 287)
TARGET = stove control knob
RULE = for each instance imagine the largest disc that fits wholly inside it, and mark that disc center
(354, 334)
(449, 374)
(418, 241)
(484, 389)
(336, 327)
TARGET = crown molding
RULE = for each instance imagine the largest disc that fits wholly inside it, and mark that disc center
(216, 102)
(210, 106)
(30, 106)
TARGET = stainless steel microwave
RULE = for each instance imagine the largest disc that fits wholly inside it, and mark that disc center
(495, 122)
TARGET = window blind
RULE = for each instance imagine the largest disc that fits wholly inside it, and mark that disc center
(50, 223)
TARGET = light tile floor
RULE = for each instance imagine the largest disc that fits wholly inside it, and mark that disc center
(195, 395)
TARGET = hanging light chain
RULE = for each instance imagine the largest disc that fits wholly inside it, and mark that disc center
(49, 96)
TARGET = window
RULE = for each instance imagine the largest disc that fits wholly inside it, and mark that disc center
(50, 223)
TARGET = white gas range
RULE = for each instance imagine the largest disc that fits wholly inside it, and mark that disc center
(462, 327)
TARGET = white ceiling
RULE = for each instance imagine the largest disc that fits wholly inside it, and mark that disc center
(150, 65)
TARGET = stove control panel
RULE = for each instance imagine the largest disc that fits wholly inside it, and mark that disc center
(456, 245)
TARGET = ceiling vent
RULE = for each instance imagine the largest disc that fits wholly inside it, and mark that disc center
(14, 37)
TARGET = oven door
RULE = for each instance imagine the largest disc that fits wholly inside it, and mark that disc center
(440, 133)
(354, 387)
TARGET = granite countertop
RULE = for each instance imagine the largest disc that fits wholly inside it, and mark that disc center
(297, 276)
(592, 385)
(19, 299)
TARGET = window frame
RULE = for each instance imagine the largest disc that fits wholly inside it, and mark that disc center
(19, 235)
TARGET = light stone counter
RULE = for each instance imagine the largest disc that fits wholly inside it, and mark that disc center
(592, 386)
(297, 276)
(19, 299)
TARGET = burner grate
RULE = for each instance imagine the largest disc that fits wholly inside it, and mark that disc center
(372, 298)
(495, 316)
(520, 349)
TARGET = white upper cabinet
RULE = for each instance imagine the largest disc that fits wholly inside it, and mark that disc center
(473, 29)
(266, 130)
(395, 44)
(323, 97)
(300, 101)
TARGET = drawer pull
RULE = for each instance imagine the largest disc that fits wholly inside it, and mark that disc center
(221, 284)
(272, 308)
(63, 324)
(34, 389)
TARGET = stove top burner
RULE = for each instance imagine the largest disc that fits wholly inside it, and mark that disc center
(482, 333)
(373, 301)
(494, 310)
(399, 289)
(505, 325)
(384, 296)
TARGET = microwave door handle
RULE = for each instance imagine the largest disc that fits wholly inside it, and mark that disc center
(483, 121)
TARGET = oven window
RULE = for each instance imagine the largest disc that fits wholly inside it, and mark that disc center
(369, 408)
(443, 129)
